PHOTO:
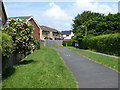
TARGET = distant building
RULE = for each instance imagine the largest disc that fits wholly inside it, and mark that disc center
(67, 35)
(36, 31)
(3, 15)
(49, 33)
(119, 7)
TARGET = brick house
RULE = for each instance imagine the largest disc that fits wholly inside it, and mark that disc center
(36, 28)
(49, 33)
(3, 15)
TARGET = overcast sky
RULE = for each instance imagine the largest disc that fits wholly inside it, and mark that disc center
(56, 14)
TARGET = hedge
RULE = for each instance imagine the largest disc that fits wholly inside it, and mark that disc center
(68, 43)
(7, 48)
(7, 45)
(109, 44)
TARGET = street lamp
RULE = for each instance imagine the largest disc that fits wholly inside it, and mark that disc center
(85, 30)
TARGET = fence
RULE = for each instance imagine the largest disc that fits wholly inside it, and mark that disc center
(53, 42)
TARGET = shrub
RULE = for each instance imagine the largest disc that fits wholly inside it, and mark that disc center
(7, 45)
(68, 43)
(36, 43)
(109, 44)
(7, 48)
(21, 31)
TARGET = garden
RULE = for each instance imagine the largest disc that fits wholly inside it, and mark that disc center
(39, 67)
(42, 69)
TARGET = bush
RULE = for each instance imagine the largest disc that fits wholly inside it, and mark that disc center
(7, 48)
(21, 31)
(68, 43)
(109, 44)
(7, 45)
(36, 43)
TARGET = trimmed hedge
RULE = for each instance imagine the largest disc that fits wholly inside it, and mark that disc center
(7, 48)
(68, 43)
(109, 44)
(7, 45)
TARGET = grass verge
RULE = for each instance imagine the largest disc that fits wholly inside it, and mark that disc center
(101, 59)
(42, 69)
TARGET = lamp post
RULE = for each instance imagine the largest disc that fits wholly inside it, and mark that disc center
(85, 30)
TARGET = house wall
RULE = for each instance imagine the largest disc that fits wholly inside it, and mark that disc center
(69, 37)
(36, 31)
(41, 35)
(3, 17)
(0, 13)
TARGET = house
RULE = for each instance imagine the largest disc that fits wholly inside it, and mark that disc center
(67, 35)
(3, 15)
(49, 33)
(36, 28)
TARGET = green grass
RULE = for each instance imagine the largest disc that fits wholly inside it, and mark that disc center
(101, 59)
(42, 69)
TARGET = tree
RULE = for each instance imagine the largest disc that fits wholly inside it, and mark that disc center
(99, 25)
(82, 18)
(21, 31)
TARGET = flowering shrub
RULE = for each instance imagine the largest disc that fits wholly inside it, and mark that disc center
(21, 31)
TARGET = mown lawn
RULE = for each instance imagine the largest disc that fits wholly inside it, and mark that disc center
(101, 59)
(42, 69)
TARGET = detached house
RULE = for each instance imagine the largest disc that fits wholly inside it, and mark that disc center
(3, 16)
(49, 33)
(67, 35)
(36, 28)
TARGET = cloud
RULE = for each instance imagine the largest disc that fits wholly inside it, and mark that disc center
(82, 5)
(53, 15)
(58, 17)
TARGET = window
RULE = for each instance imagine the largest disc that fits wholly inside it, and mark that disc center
(53, 34)
(47, 33)
(43, 33)
(67, 35)
(56, 34)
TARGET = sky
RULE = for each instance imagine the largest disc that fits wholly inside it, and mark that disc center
(58, 14)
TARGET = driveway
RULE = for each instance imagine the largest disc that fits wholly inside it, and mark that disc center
(88, 73)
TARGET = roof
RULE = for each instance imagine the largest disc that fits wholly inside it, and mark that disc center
(26, 18)
(66, 32)
(21, 17)
(3, 8)
(45, 28)
(2, 12)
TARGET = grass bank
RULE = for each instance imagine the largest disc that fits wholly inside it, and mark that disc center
(101, 59)
(42, 69)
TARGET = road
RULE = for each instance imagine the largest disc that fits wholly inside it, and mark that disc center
(88, 73)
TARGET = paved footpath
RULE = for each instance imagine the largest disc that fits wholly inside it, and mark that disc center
(88, 73)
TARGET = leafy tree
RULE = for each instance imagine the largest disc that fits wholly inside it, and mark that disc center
(109, 24)
(21, 31)
(99, 25)
(81, 18)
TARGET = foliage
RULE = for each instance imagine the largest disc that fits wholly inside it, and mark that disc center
(36, 43)
(21, 31)
(40, 69)
(101, 59)
(7, 45)
(67, 43)
(99, 25)
(82, 18)
(104, 43)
